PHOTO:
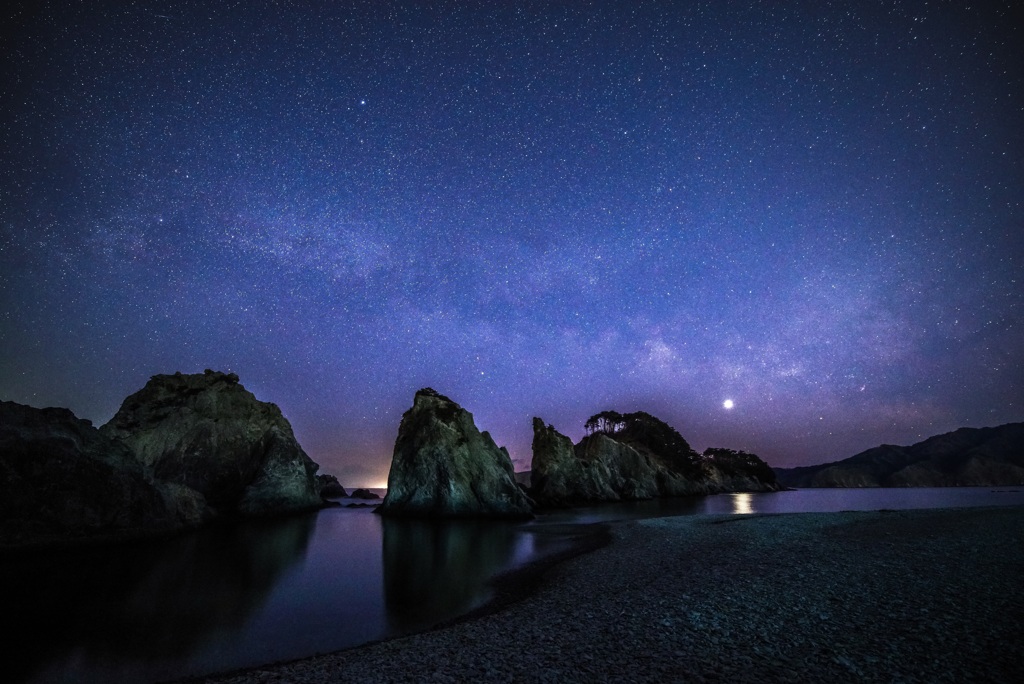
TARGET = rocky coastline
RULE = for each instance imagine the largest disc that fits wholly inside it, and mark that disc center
(911, 596)
(444, 467)
(188, 449)
(889, 595)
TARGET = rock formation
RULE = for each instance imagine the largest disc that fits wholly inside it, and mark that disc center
(207, 433)
(363, 494)
(60, 479)
(328, 486)
(966, 457)
(443, 466)
(633, 457)
(560, 477)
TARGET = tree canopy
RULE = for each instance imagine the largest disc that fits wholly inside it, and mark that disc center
(608, 422)
(655, 434)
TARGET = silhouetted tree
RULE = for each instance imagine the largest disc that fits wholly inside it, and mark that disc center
(608, 422)
(640, 428)
(661, 438)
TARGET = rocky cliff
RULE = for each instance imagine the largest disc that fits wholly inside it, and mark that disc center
(60, 479)
(208, 434)
(181, 451)
(443, 466)
(966, 457)
(635, 456)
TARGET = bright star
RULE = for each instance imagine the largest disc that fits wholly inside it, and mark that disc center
(728, 403)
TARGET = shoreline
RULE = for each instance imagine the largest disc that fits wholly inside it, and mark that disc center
(911, 595)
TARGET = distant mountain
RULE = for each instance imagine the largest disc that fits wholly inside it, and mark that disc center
(991, 456)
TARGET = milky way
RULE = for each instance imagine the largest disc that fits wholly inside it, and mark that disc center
(812, 210)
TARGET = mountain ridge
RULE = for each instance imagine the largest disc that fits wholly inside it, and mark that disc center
(988, 456)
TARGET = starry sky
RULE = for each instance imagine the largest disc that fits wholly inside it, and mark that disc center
(810, 209)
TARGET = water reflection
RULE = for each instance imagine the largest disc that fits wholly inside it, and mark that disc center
(742, 503)
(436, 570)
(629, 510)
(147, 601)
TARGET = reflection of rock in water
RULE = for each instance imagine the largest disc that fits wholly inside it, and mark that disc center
(147, 601)
(435, 570)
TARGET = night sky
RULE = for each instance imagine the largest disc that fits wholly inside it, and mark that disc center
(813, 210)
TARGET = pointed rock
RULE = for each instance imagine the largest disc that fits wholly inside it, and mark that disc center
(443, 466)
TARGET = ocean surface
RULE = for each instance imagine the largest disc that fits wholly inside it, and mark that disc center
(249, 594)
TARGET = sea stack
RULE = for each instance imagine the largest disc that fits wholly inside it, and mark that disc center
(444, 467)
(206, 434)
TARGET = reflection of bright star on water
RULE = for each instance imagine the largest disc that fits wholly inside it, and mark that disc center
(728, 403)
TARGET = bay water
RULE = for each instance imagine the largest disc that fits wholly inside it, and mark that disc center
(258, 592)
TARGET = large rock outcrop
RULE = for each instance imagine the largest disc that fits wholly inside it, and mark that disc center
(634, 457)
(60, 480)
(208, 434)
(991, 456)
(443, 466)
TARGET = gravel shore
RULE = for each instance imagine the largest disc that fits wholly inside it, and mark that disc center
(893, 596)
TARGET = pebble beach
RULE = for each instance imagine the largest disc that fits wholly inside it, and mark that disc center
(886, 596)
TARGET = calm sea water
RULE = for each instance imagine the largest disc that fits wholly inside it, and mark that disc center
(251, 594)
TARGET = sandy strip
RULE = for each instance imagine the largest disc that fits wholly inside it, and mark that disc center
(903, 596)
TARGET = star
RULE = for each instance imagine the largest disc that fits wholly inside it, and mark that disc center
(523, 223)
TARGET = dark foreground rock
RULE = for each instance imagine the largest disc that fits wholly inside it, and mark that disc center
(443, 466)
(60, 480)
(208, 434)
(966, 457)
(631, 457)
(819, 598)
